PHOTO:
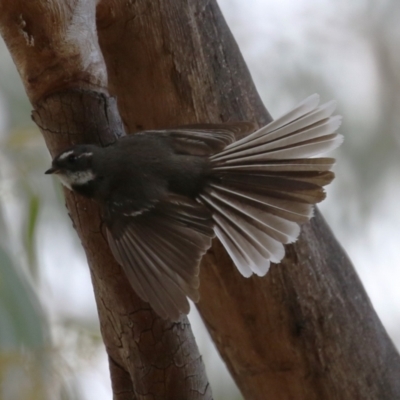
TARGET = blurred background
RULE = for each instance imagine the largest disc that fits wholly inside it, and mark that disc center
(50, 345)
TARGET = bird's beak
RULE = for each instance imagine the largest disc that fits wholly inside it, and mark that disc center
(52, 170)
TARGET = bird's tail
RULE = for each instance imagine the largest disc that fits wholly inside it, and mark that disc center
(264, 185)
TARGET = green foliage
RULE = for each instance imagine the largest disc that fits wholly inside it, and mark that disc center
(33, 213)
(24, 336)
(20, 314)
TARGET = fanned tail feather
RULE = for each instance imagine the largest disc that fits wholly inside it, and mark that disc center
(264, 185)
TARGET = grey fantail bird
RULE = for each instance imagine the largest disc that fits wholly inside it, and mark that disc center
(164, 195)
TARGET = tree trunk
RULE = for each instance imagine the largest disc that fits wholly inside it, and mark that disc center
(54, 45)
(307, 330)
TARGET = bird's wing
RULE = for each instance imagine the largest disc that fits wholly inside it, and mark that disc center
(160, 250)
(203, 139)
(238, 128)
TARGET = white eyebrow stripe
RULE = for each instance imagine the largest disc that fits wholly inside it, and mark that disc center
(65, 155)
(68, 153)
(88, 154)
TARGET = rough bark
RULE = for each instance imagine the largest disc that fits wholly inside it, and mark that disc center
(54, 45)
(305, 331)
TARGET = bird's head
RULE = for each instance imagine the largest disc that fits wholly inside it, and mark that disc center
(74, 166)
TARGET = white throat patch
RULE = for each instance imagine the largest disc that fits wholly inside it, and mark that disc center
(77, 178)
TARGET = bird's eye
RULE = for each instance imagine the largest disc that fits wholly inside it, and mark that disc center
(71, 158)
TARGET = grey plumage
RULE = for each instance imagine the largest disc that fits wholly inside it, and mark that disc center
(165, 193)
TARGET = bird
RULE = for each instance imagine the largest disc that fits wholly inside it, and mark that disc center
(165, 194)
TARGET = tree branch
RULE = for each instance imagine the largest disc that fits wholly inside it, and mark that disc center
(305, 331)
